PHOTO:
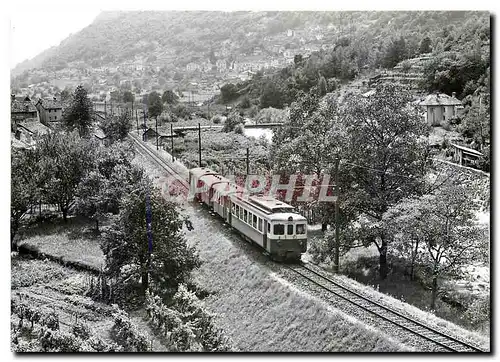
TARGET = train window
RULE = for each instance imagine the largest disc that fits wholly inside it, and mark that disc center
(254, 223)
(260, 224)
(237, 211)
(241, 213)
(250, 218)
(233, 209)
(279, 229)
(268, 227)
(245, 214)
(300, 229)
(289, 230)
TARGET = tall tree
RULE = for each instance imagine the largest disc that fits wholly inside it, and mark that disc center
(126, 243)
(67, 159)
(169, 97)
(79, 114)
(101, 189)
(386, 156)
(128, 97)
(25, 171)
(445, 226)
(425, 45)
(155, 104)
(116, 127)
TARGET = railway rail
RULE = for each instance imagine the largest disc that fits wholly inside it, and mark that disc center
(144, 150)
(443, 340)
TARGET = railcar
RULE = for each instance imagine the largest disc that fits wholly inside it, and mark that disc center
(263, 220)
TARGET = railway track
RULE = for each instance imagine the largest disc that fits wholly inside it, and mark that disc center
(442, 340)
(145, 151)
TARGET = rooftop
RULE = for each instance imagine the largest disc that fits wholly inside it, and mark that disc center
(50, 103)
(468, 150)
(34, 126)
(23, 106)
(440, 99)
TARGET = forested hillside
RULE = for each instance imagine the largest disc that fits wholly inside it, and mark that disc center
(458, 42)
(118, 36)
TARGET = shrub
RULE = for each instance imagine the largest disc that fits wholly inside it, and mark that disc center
(239, 129)
(127, 335)
(245, 102)
(188, 327)
(216, 119)
(232, 121)
(478, 313)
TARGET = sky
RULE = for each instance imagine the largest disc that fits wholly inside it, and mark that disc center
(31, 32)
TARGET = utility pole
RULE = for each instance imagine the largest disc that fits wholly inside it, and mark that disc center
(337, 236)
(208, 109)
(172, 139)
(144, 113)
(137, 119)
(248, 161)
(105, 109)
(156, 130)
(199, 144)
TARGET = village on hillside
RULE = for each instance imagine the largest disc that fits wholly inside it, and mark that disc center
(256, 182)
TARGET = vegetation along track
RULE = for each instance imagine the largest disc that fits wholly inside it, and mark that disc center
(441, 339)
(444, 341)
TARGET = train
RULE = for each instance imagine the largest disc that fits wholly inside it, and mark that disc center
(263, 220)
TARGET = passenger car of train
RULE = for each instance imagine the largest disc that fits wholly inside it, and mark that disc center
(263, 220)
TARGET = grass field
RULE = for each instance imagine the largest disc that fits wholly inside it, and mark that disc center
(73, 241)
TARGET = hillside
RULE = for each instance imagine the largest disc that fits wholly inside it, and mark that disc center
(163, 38)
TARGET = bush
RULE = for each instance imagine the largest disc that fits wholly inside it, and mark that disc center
(245, 102)
(127, 335)
(239, 129)
(478, 313)
(188, 327)
(231, 122)
(216, 119)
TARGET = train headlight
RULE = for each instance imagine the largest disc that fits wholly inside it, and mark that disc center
(279, 242)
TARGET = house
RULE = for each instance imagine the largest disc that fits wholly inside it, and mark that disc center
(221, 65)
(22, 109)
(50, 110)
(27, 131)
(191, 67)
(465, 156)
(440, 107)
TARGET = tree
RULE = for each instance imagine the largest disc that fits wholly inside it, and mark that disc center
(24, 174)
(322, 86)
(271, 95)
(128, 97)
(116, 127)
(228, 92)
(65, 94)
(66, 158)
(155, 104)
(169, 97)
(79, 113)
(101, 189)
(233, 120)
(445, 226)
(386, 155)
(425, 45)
(395, 52)
(125, 244)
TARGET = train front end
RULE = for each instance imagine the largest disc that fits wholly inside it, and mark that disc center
(287, 235)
